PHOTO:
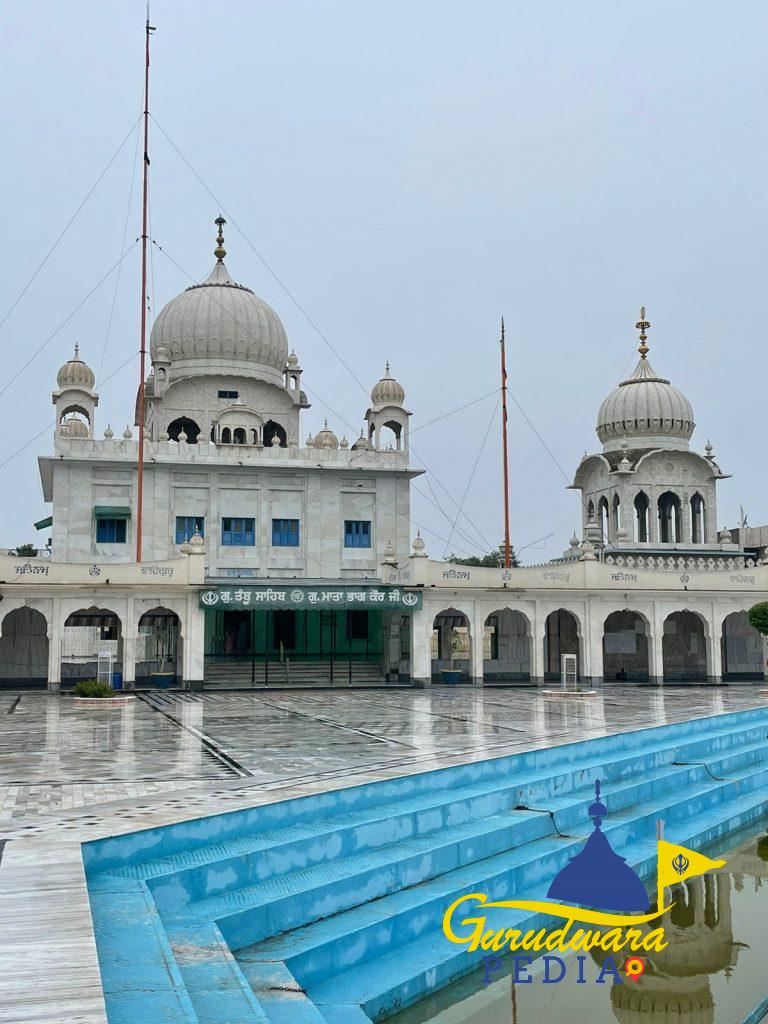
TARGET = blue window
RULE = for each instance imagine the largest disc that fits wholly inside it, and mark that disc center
(285, 533)
(357, 533)
(110, 531)
(187, 526)
(237, 533)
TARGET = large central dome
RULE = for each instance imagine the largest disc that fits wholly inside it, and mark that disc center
(223, 323)
(645, 410)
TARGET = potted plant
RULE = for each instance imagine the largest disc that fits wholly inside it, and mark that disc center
(163, 677)
(453, 674)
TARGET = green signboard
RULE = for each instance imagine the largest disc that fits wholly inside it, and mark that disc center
(323, 598)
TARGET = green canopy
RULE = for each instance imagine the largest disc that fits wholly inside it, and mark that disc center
(112, 512)
(44, 523)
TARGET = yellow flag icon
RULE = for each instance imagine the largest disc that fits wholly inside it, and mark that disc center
(676, 863)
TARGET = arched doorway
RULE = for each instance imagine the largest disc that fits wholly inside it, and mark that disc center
(506, 647)
(561, 636)
(684, 648)
(451, 645)
(670, 518)
(186, 425)
(158, 653)
(625, 647)
(742, 648)
(24, 648)
(274, 430)
(642, 505)
(87, 633)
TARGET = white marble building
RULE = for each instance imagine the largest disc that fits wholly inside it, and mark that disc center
(223, 445)
(272, 561)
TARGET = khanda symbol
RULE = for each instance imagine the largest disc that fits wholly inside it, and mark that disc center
(680, 864)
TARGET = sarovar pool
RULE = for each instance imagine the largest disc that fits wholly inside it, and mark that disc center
(714, 970)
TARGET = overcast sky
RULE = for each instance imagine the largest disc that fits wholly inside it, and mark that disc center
(409, 171)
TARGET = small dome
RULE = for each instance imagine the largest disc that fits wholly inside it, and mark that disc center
(418, 546)
(645, 408)
(362, 444)
(387, 391)
(293, 360)
(76, 374)
(75, 427)
(326, 438)
(220, 321)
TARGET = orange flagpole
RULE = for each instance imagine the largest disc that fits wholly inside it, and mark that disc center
(507, 559)
(143, 350)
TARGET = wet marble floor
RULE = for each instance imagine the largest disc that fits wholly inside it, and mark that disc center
(69, 775)
(56, 757)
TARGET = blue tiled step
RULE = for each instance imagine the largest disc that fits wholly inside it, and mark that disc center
(332, 945)
(408, 972)
(207, 871)
(255, 912)
(185, 839)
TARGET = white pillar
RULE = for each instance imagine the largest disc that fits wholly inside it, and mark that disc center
(193, 630)
(55, 627)
(421, 647)
(478, 627)
(656, 647)
(538, 619)
(714, 644)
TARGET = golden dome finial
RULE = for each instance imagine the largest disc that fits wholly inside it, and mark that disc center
(220, 252)
(642, 325)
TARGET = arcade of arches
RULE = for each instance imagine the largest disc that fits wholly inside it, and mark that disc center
(683, 652)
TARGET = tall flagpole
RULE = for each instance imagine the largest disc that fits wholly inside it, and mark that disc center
(507, 559)
(143, 350)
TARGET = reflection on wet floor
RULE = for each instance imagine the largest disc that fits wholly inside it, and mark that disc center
(55, 756)
(712, 972)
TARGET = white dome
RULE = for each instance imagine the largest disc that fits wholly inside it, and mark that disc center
(326, 438)
(76, 374)
(646, 410)
(387, 391)
(220, 321)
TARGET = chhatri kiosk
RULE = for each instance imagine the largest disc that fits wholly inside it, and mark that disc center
(652, 593)
(268, 561)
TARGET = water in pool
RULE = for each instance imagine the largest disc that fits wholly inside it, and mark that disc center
(714, 970)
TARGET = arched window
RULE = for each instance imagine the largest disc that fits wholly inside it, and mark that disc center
(641, 518)
(226, 436)
(272, 429)
(602, 512)
(254, 436)
(238, 435)
(616, 509)
(189, 427)
(698, 520)
(590, 511)
(670, 518)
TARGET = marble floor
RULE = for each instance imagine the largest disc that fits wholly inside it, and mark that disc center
(69, 775)
(56, 757)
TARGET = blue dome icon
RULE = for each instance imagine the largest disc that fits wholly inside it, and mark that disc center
(597, 877)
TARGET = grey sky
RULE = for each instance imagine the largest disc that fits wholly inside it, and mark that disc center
(410, 172)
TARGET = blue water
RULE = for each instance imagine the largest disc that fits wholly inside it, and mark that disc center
(714, 971)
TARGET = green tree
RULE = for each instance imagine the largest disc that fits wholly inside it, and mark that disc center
(758, 616)
(492, 560)
(26, 551)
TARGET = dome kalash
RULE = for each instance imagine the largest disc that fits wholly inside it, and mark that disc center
(645, 409)
(220, 322)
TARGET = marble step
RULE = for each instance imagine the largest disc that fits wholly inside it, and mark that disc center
(697, 740)
(411, 971)
(217, 869)
(252, 913)
(535, 787)
(331, 945)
